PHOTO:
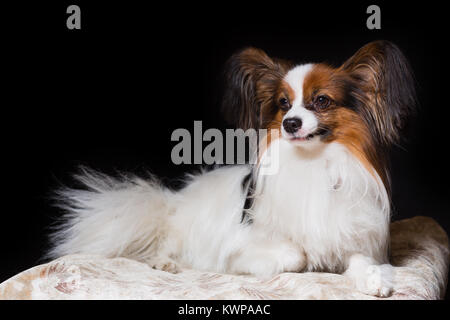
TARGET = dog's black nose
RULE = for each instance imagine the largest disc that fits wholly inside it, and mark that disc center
(291, 125)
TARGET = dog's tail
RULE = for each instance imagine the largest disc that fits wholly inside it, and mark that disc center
(111, 217)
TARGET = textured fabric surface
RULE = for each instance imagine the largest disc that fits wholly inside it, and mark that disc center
(419, 250)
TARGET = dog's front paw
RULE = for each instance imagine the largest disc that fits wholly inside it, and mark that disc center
(292, 259)
(267, 259)
(379, 280)
(165, 264)
(286, 258)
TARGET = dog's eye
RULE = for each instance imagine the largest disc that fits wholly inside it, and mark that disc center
(322, 102)
(284, 103)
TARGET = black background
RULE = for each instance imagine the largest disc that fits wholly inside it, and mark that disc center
(109, 95)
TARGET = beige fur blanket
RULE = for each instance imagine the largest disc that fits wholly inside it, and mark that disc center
(419, 250)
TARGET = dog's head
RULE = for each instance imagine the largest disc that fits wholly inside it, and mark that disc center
(361, 104)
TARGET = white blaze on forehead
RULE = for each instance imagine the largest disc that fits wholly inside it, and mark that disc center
(295, 78)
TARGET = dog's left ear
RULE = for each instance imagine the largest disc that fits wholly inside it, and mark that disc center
(386, 87)
(251, 80)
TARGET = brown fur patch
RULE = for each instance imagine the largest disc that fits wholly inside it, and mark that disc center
(327, 81)
(285, 91)
(319, 81)
(348, 129)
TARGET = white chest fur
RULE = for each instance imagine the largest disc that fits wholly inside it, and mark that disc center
(325, 200)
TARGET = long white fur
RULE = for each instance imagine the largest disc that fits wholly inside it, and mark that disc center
(112, 217)
(324, 199)
(321, 208)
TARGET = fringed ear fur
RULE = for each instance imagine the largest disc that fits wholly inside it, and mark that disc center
(251, 79)
(386, 88)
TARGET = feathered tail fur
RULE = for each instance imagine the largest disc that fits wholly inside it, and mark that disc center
(111, 217)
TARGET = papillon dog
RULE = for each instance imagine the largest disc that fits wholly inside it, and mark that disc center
(327, 207)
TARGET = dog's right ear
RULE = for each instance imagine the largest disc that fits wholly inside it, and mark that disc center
(388, 88)
(251, 81)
